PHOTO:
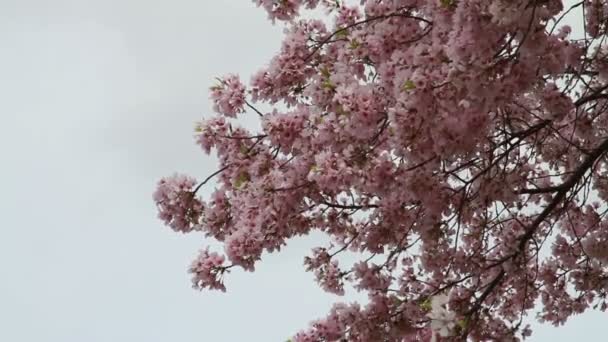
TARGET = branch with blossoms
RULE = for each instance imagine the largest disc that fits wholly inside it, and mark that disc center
(401, 13)
(455, 148)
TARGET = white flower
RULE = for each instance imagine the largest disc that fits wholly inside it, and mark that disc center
(464, 104)
(442, 320)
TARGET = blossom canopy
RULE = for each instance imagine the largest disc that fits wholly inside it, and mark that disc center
(456, 147)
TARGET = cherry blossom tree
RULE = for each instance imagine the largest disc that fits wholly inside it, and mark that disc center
(456, 147)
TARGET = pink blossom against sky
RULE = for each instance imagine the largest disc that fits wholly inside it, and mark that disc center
(99, 98)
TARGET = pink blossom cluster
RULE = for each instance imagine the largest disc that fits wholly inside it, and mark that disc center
(289, 9)
(177, 204)
(596, 15)
(207, 271)
(456, 148)
(229, 96)
(327, 271)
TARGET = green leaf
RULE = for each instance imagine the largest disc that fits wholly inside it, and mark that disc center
(328, 85)
(325, 72)
(408, 85)
(463, 323)
(426, 305)
(447, 3)
(241, 180)
(342, 33)
(340, 111)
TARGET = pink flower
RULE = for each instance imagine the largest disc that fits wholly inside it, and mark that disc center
(177, 204)
(207, 271)
(229, 96)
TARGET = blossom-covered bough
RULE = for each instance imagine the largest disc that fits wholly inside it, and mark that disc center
(457, 146)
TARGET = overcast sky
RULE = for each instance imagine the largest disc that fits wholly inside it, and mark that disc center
(98, 101)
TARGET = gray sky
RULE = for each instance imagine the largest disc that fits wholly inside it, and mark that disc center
(98, 100)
